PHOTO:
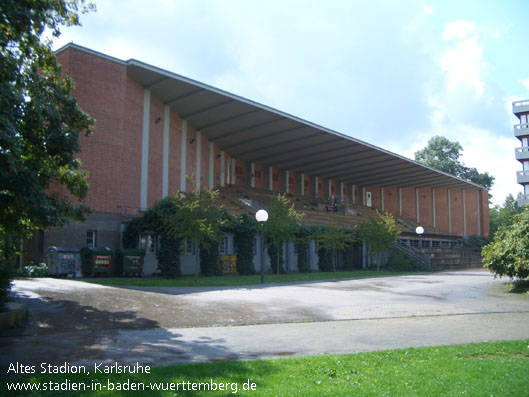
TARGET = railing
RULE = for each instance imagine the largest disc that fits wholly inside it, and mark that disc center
(413, 253)
(522, 149)
(525, 102)
(521, 126)
(522, 173)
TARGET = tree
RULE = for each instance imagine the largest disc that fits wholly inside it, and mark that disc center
(379, 233)
(333, 239)
(281, 226)
(197, 219)
(502, 217)
(508, 254)
(443, 154)
(40, 123)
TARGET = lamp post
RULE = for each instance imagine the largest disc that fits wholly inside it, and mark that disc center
(420, 230)
(262, 217)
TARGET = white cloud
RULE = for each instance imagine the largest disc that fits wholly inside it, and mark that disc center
(427, 9)
(458, 30)
(525, 82)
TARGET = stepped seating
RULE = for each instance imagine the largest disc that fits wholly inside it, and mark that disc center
(239, 199)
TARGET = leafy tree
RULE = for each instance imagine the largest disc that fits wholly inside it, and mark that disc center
(197, 219)
(40, 123)
(443, 154)
(379, 233)
(508, 254)
(333, 239)
(283, 220)
(244, 237)
(502, 217)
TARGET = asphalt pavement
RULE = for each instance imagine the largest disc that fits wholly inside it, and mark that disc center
(82, 323)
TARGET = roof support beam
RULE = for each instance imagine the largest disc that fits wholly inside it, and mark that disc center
(172, 101)
(245, 129)
(228, 119)
(253, 140)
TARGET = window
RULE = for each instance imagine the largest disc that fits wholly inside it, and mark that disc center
(91, 238)
(148, 243)
(188, 247)
(523, 119)
(223, 245)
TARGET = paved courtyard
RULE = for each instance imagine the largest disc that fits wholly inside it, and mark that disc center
(77, 322)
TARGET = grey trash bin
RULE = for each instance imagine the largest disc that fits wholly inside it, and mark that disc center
(63, 262)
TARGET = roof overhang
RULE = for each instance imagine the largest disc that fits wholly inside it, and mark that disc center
(250, 131)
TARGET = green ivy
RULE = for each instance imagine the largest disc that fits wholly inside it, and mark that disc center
(209, 260)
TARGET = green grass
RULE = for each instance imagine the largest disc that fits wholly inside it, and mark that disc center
(236, 280)
(484, 369)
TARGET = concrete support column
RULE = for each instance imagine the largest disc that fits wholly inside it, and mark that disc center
(211, 171)
(341, 192)
(198, 159)
(400, 201)
(301, 183)
(268, 178)
(145, 148)
(363, 196)
(183, 157)
(315, 186)
(165, 167)
(284, 182)
(353, 200)
(232, 171)
(222, 169)
(250, 174)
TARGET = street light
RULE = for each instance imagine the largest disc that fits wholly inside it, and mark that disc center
(420, 230)
(262, 217)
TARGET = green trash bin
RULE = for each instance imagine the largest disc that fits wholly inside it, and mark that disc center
(131, 261)
(96, 261)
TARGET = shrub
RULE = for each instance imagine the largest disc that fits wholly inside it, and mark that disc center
(324, 259)
(244, 239)
(508, 254)
(209, 260)
(38, 270)
(168, 257)
(398, 261)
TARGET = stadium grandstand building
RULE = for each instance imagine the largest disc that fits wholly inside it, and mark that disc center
(154, 128)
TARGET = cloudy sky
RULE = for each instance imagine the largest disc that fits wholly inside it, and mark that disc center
(391, 73)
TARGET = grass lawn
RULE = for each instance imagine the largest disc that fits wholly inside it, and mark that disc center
(484, 369)
(235, 280)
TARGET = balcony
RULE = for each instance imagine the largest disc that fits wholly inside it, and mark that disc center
(522, 177)
(521, 130)
(523, 199)
(522, 153)
(520, 107)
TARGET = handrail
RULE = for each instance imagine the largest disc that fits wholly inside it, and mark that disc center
(413, 253)
(524, 102)
(521, 126)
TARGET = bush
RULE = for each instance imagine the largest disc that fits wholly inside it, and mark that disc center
(6, 275)
(39, 270)
(209, 260)
(324, 260)
(398, 261)
(272, 254)
(168, 257)
(303, 255)
(508, 254)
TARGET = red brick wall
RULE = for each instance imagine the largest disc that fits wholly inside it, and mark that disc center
(104, 91)
(441, 210)
(391, 200)
(409, 209)
(154, 179)
(425, 208)
(321, 190)
(375, 196)
(175, 143)
(259, 178)
(240, 172)
(485, 219)
(456, 211)
(276, 179)
(191, 151)
(471, 211)
(307, 184)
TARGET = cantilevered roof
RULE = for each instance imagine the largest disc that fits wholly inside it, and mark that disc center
(250, 131)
